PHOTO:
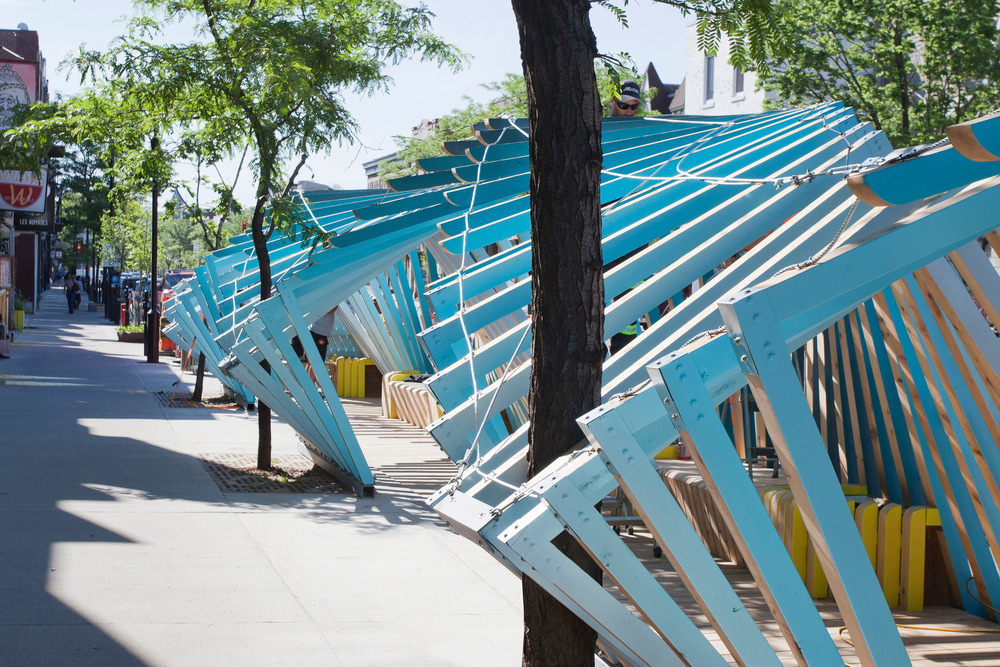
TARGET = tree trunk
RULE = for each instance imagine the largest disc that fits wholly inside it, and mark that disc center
(264, 261)
(557, 51)
(904, 84)
(263, 436)
(199, 381)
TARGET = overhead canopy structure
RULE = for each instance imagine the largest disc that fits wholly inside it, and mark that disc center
(788, 256)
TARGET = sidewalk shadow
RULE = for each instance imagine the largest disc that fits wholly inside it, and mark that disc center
(53, 461)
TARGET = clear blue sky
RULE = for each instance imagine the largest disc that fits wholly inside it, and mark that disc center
(485, 31)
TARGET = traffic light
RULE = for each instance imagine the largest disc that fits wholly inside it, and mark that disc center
(79, 246)
(244, 225)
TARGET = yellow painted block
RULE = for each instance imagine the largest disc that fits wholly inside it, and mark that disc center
(341, 376)
(866, 518)
(798, 544)
(669, 452)
(914, 545)
(855, 489)
(349, 380)
(356, 366)
(890, 535)
(774, 508)
(786, 503)
(362, 365)
(765, 497)
(816, 582)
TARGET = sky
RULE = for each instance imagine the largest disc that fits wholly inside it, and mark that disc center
(487, 32)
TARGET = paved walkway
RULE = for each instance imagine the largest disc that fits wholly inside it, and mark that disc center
(117, 548)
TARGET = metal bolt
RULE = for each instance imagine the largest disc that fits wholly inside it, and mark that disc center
(744, 359)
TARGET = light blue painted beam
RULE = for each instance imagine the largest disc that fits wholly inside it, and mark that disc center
(684, 394)
(632, 576)
(680, 542)
(934, 172)
(792, 427)
(941, 469)
(964, 460)
(978, 139)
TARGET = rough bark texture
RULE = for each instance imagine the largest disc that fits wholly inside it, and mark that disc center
(264, 261)
(558, 50)
(904, 85)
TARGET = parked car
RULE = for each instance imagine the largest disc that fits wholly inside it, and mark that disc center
(171, 280)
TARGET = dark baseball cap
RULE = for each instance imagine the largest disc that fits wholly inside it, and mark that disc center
(630, 91)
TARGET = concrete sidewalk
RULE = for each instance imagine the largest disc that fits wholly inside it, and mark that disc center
(117, 547)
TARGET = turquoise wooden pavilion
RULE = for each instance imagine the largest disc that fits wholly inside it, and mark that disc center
(791, 257)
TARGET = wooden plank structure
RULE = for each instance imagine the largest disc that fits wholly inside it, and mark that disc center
(811, 299)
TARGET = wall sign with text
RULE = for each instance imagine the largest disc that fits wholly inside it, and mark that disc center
(22, 191)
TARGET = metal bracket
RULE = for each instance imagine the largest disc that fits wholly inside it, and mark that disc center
(747, 365)
(668, 400)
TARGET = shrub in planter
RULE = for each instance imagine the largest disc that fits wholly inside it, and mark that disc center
(132, 333)
(20, 305)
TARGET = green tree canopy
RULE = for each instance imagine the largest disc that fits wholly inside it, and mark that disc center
(126, 235)
(510, 98)
(267, 77)
(912, 67)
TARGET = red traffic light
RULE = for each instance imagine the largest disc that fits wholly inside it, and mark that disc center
(79, 246)
(244, 225)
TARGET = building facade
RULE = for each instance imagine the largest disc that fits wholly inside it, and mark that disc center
(27, 201)
(712, 86)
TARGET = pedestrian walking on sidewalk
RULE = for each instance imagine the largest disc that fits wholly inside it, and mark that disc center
(72, 290)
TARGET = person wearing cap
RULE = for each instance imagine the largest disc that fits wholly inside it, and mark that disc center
(627, 102)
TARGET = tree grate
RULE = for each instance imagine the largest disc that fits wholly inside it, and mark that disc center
(166, 399)
(237, 473)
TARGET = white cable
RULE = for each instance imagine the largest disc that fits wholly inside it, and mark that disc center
(461, 305)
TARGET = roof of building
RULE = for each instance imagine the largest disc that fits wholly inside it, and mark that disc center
(19, 46)
(664, 91)
(677, 103)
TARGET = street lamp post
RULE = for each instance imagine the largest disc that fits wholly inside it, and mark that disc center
(153, 317)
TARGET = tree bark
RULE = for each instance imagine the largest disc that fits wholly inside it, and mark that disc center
(557, 51)
(904, 83)
(199, 382)
(264, 262)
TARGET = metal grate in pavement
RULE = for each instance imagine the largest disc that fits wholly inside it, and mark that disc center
(166, 399)
(237, 473)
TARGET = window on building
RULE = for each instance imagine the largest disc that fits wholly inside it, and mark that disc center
(709, 77)
(737, 81)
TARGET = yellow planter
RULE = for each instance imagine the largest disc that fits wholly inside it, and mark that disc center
(18, 319)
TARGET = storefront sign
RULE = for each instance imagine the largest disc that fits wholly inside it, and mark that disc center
(24, 222)
(22, 191)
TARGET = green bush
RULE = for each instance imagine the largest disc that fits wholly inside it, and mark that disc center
(132, 328)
